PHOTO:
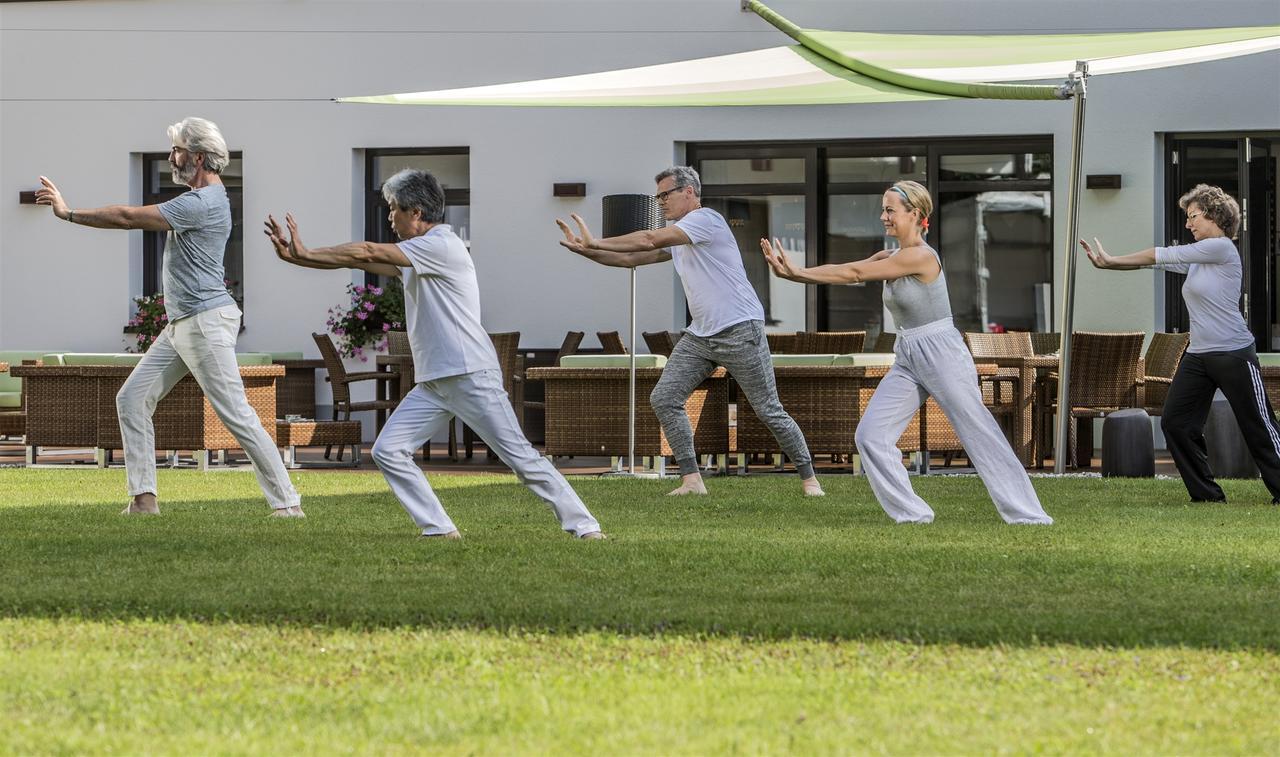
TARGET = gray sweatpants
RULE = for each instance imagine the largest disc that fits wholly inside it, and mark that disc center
(932, 361)
(743, 351)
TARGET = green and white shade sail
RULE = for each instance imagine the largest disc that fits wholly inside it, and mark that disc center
(835, 67)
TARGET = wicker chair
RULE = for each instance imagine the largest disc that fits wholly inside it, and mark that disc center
(569, 346)
(782, 343)
(13, 422)
(827, 402)
(507, 345)
(661, 342)
(884, 342)
(611, 342)
(1046, 342)
(829, 342)
(341, 382)
(1105, 377)
(997, 390)
(1159, 364)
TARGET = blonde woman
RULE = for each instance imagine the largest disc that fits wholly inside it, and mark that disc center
(932, 361)
(1221, 354)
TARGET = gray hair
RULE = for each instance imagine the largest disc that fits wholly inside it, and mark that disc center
(201, 136)
(411, 189)
(685, 176)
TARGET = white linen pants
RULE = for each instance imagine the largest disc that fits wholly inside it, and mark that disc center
(932, 360)
(478, 399)
(203, 344)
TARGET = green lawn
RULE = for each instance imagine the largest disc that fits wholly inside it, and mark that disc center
(751, 621)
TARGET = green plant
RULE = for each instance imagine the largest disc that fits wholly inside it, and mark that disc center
(147, 322)
(365, 322)
(150, 318)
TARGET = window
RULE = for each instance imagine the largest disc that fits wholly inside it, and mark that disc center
(157, 187)
(992, 223)
(450, 165)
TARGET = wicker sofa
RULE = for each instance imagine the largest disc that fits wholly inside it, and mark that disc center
(71, 403)
(587, 408)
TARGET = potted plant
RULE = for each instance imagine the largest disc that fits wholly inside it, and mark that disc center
(364, 323)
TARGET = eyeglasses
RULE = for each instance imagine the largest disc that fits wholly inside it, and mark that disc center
(662, 196)
(1193, 216)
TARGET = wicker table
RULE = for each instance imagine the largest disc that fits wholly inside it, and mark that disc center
(587, 411)
(296, 390)
(293, 434)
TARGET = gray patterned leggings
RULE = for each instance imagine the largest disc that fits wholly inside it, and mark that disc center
(743, 351)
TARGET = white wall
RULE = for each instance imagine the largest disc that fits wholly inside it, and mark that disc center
(86, 85)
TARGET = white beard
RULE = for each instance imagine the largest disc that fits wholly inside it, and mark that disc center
(183, 175)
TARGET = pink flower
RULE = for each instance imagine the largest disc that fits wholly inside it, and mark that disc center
(377, 291)
(386, 327)
(369, 306)
(362, 316)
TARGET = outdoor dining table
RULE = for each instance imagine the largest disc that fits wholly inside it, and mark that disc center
(1025, 400)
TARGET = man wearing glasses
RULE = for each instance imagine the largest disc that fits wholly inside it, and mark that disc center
(728, 320)
(204, 320)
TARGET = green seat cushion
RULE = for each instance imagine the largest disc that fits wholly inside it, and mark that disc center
(253, 358)
(612, 361)
(1269, 358)
(285, 355)
(15, 357)
(863, 359)
(97, 358)
(10, 399)
(804, 360)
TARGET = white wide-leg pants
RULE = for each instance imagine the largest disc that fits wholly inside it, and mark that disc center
(932, 360)
(481, 402)
(204, 345)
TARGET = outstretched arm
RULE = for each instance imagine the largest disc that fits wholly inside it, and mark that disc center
(627, 251)
(383, 259)
(879, 267)
(1101, 259)
(146, 217)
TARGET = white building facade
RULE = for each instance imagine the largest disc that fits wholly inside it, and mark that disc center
(87, 89)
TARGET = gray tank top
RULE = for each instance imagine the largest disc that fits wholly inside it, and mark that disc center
(913, 303)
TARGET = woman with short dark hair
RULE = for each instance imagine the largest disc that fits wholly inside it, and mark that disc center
(1221, 355)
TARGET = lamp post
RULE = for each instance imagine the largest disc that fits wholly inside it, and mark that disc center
(625, 214)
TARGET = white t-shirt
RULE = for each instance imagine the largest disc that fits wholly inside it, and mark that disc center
(442, 307)
(1212, 292)
(715, 282)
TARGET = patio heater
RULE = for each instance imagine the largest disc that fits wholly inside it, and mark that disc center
(625, 214)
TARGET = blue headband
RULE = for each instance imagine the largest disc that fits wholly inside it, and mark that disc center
(904, 195)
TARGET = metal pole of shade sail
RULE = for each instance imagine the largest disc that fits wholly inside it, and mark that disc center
(625, 214)
(1076, 84)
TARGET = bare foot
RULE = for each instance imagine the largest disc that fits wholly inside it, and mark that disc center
(691, 484)
(593, 535)
(812, 488)
(451, 535)
(142, 504)
(288, 512)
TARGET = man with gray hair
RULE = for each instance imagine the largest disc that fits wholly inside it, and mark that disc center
(454, 361)
(727, 327)
(203, 319)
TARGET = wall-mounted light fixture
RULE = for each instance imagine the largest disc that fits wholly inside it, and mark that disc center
(569, 189)
(1102, 181)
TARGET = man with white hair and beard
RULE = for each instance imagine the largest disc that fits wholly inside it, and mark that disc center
(204, 320)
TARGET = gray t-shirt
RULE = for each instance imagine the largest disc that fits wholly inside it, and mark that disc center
(1212, 292)
(715, 282)
(442, 307)
(193, 270)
